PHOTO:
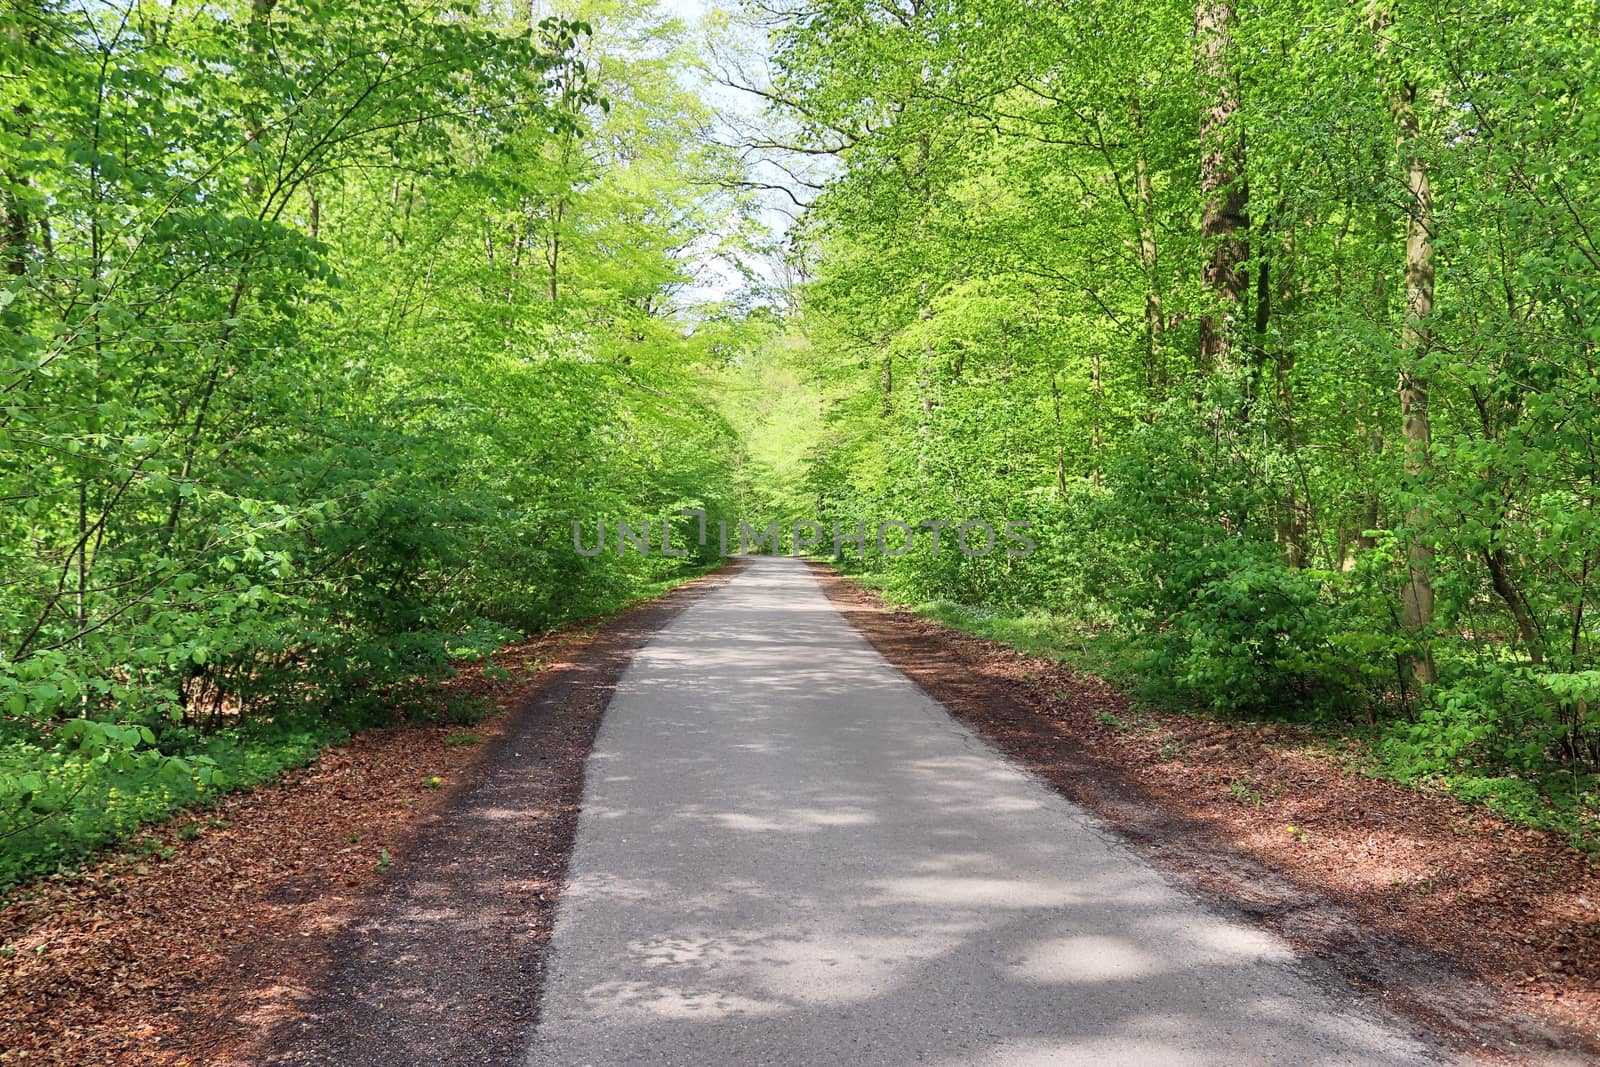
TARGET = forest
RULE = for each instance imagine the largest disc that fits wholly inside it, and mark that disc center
(1278, 322)
(323, 321)
(320, 322)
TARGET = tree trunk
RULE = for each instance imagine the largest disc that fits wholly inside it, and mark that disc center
(1506, 585)
(13, 227)
(1061, 450)
(1097, 441)
(1224, 196)
(257, 46)
(14, 221)
(1416, 599)
(1294, 506)
(1416, 594)
(924, 370)
(1366, 539)
(1154, 324)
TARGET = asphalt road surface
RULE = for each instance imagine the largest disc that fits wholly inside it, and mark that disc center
(789, 854)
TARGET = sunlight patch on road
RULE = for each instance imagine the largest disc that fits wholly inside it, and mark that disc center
(945, 892)
(1074, 960)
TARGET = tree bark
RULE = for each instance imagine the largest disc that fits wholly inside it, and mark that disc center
(1506, 585)
(1224, 196)
(1154, 323)
(1061, 451)
(1097, 440)
(1416, 339)
(14, 221)
(14, 226)
(1294, 505)
(257, 46)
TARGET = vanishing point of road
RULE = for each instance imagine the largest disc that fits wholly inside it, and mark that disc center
(789, 854)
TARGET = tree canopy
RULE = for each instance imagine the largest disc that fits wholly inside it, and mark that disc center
(1277, 319)
(323, 321)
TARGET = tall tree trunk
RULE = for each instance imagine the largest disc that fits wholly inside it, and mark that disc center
(1097, 438)
(553, 249)
(14, 222)
(14, 225)
(257, 46)
(1061, 449)
(924, 374)
(1416, 339)
(1275, 287)
(1492, 417)
(1154, 324)
(1370, 515)
(1224, 196)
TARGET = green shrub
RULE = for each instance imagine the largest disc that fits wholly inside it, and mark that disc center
(60, 803)
(1246, 634)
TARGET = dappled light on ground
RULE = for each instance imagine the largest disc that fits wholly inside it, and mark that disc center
(789, 853)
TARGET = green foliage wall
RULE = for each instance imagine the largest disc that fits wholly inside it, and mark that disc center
(322, 323)
(1009, 284)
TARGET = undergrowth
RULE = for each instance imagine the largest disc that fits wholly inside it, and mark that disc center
(69, 803)
(1413, 751)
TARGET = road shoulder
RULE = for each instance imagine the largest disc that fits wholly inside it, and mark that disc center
(445, 964)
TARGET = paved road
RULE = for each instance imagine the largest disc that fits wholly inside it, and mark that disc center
(788, 854)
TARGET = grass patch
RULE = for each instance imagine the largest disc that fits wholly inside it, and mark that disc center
(1096, 649)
